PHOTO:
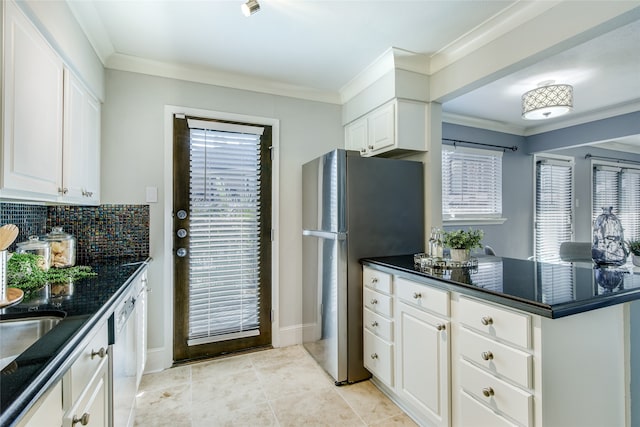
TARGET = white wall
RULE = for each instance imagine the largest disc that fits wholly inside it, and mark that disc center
(133, 158)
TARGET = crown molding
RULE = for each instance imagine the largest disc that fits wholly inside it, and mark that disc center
(217, 78)
(498, 25)
(475, 122)
(87, 16)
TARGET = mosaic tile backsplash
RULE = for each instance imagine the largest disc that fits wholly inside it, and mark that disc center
(102, 232)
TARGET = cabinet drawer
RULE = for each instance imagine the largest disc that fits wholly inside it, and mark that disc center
(378, 357)
(496, 321)
(89, 360)
(378, 303)
(377, 280)
(496, 357)
(496, 393)
(423, 296)
(379, 325)
(473, 413)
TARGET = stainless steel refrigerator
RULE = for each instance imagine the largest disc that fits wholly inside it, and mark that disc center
(353, 207)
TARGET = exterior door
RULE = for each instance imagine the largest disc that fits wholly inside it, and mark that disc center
(222, 237)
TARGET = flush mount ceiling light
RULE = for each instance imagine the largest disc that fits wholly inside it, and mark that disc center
(250, 7)
(548, 100)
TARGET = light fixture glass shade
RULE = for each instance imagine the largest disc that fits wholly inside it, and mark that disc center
(546, 102)
(250, 7)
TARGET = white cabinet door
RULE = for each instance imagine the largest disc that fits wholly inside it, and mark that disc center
(48, 410)
(92, 406)
(356, 136)
(32, 104)
(381, 128)
(423, 362)
(81, 144)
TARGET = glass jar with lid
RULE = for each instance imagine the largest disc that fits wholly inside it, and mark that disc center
(63, 248)
(38, 247)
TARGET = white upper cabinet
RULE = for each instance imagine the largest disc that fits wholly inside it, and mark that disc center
(399, 125)
(51, 139)
(32, 105)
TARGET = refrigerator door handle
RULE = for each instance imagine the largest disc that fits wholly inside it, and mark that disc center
(325, 234)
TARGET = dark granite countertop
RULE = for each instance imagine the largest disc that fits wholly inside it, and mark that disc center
(41, 365)
(549, 290)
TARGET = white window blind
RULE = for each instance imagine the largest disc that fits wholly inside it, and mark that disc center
(554, 207)
(553, 225)
(619, 188)
(224, 261)
(471, 183)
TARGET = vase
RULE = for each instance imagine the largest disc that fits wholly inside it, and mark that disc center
(460, 255)
(608, 246)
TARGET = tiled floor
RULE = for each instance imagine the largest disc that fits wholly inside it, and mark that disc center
(278, 387)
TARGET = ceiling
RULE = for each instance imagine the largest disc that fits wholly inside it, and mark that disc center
(322, 45)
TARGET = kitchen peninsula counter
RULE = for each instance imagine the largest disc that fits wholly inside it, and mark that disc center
(92, 301)
(549, 290)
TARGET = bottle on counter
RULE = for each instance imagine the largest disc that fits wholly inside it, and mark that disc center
(63, 248)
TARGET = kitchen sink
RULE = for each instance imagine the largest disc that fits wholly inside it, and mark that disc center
(18, 334)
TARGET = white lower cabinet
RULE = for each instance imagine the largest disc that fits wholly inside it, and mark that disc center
(47, 412)
(453, 360)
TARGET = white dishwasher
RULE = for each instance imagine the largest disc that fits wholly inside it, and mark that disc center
(128, 328)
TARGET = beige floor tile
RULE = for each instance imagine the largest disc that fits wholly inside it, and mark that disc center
(219, 369)
(170, 406)
(402, 420)
(320, 408)
(237, 390)
(250, 416)
(294, 378)
(167, 378)
(368, 402)
(280, 356)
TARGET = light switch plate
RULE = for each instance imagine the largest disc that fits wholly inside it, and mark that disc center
(152, 194)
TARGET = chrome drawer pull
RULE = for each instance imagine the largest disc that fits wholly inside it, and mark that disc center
(84, 419)
(486, 321)
(441, 327)
(417, 295)
(374, 301)
(488, 392)
(102, 353)
(374, 356)
(374, 324)
(487, 355)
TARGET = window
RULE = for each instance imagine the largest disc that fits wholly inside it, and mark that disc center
(471, 184)
(618, 187)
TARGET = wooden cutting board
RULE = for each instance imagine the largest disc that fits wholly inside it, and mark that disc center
(14, 296)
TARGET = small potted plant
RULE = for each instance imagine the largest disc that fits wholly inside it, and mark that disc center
(634, 248)
(461, 242)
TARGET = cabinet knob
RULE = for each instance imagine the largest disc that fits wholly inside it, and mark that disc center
(102, 353)
(374, 324)
(486, 321)
(63, 190)
(417, 295)
(441, 326)
(374, 301)
(84, 419)
(486, 355)
(488, 392)
(374, 280)
(374, 356)
(363, 150)
(371, 147)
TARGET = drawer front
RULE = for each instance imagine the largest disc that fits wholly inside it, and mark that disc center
(378, 357)
(496, 393)
(496, 357)
(473, 413)
(85, 366)
(378, 303)
(380, 326)
(377, 280)
(423, 296)
(496, 321)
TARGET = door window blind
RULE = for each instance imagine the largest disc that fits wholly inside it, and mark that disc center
(471, 183)
(224, 250)
(553, 225)
(618, 187)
